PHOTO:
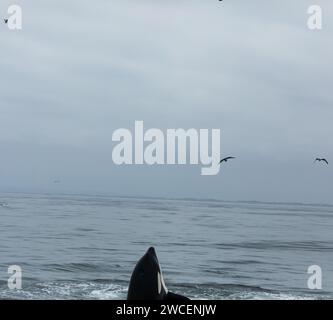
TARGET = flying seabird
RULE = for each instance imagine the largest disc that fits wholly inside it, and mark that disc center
(6, 20)
(226, 159)
(321, 159)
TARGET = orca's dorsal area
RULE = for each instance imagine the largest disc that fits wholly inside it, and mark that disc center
(147, 281)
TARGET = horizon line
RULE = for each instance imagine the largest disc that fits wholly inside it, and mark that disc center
(165, 198)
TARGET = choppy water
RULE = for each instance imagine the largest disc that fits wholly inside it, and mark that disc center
(85, 247)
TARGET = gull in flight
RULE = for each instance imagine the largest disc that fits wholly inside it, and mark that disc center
(321, 159)
(226, 159)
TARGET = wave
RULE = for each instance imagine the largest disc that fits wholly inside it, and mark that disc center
(67, 290)
(103, 289)
(282, 245)
(4, 204)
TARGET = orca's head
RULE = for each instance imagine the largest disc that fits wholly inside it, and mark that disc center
(147, 281)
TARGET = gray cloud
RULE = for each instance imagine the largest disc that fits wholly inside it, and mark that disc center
(79, 70)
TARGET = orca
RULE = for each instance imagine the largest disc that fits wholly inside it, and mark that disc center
(147, 281)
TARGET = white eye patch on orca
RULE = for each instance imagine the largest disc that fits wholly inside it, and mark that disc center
(160, 283)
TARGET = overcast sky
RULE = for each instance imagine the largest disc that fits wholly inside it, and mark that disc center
(81, 69)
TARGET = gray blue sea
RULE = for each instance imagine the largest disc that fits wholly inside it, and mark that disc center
(85, 247)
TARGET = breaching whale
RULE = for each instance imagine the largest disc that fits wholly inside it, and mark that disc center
(147, 281)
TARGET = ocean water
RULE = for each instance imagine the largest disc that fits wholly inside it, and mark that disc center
(85, 247)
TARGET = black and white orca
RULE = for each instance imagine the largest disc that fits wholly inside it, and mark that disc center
(147, 281)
